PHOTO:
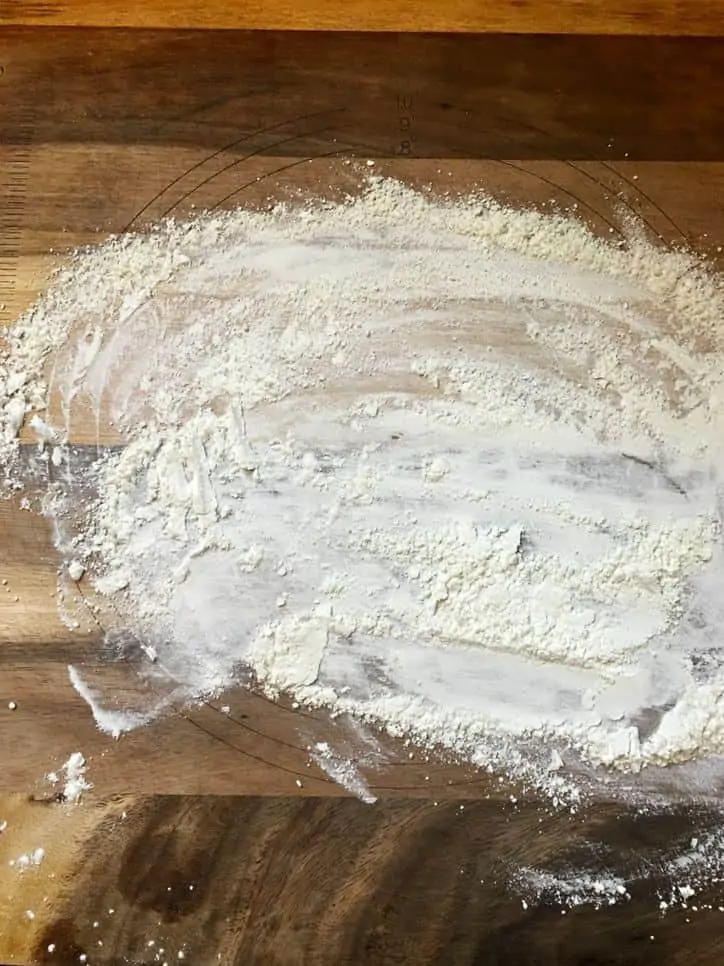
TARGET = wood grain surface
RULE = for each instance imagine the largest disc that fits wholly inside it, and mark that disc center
(211, 832)
(642, 17)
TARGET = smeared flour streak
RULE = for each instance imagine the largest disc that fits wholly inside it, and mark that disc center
(343, 771)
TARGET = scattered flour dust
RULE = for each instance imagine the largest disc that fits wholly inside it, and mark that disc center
(575, 889)
(686, 872)
(28, 860)
(450, 468)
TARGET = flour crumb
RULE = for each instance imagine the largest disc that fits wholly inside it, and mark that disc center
(76, 570)
(75, 783)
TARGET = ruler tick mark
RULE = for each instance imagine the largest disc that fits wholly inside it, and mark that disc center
(14, 174)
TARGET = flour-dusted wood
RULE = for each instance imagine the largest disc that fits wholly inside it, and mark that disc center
(124, 123)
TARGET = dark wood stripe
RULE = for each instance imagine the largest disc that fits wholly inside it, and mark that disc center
(336, 882)
(304, 94)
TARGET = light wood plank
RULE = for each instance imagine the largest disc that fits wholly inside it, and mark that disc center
(646, 17)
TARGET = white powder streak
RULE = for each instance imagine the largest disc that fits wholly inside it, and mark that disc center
(687, 869)
(343, 771)
(576, 888)
(110, 722)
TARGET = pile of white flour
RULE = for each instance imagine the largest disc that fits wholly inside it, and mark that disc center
(448, 467)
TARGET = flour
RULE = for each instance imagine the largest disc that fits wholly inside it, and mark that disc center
(75, 781)
(693, 868)
(110, 721)
(571, 890)
(28, 860)
(75, 571)
(446, 467)
(687, 871)
(30, 342)
(343, 771)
